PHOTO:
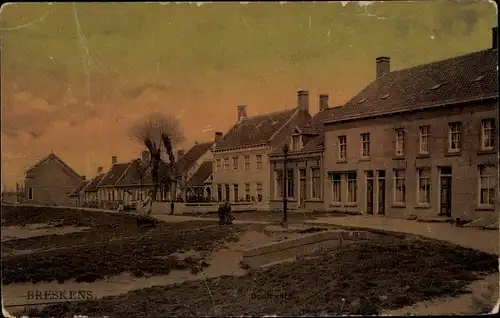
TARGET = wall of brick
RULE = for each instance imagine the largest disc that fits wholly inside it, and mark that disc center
(465, 180)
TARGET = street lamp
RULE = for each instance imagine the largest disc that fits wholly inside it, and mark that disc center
(285, 174)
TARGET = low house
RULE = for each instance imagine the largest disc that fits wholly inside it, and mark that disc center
(304, 181)
(79, 193)
(90, 191)
(188, 165)
(50, 182)
(241, 164)
(419, 141)
(107, 192)
(199, 186)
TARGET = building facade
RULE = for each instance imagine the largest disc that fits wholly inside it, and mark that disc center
(50, 182)
(242, 168)
(419, 141)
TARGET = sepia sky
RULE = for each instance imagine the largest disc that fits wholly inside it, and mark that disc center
(76, 78)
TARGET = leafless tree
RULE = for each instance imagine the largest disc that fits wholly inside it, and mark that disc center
(159, 133)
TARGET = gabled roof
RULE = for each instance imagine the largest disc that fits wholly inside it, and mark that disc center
(114, 174)
(256, 130)
(137, 169)
(92, 186)
(80, 187)
(53, 156)
(460, 79)
(202, 174)
(189, 158)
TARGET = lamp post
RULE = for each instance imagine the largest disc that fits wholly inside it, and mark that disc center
(285, 174)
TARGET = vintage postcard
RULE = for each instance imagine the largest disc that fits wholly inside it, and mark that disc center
(184, 159)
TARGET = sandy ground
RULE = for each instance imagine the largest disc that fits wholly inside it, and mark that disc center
(223, 261)
(38, 229)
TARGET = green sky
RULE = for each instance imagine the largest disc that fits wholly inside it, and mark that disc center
(77, 90)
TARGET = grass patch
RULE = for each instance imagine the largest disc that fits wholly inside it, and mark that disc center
(364, 278)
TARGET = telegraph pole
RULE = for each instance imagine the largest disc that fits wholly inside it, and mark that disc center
(285, 174)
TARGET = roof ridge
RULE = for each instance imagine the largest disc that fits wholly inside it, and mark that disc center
(52, 154)
(271, 113)
(438, 61)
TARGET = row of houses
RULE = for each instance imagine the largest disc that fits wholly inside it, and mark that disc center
(421, 140)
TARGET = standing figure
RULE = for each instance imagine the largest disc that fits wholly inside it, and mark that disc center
(147, 205)
(172, 205)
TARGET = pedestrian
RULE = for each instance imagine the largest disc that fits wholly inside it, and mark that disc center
(172, 205)
(147, 205)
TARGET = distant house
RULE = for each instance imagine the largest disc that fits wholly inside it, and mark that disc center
(241, 164)
(304, 185)
(107, 193)
(79, 193)
(50, 182)
(188, 166)
(90, 191)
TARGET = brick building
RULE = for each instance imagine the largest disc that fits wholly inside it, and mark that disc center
(241, 169)
(50, 182)
(421, 140)
(304, 164)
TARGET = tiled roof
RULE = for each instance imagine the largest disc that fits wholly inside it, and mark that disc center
(92, 187)
(316, 144)
(189, 158)
(327, 114)
(137, 168)
(460, 79)
(114, 174)
(203, 172)
(80, 187)
(53, 156)
(256, 130)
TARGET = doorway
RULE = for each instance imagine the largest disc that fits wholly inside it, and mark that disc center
(303, 187)
(381, 192)
(369, 191)
(445, 175)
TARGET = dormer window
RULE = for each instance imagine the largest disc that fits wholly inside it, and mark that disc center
(296, 142)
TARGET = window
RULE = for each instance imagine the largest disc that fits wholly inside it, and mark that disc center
(399, 187)
(247, 162)
(290, 183)
(226, 163)
(259, 191)
(247, 191)
(296, 142)
(316, 183)
(365, 145)
(486, 185)
(342, 148)
(227, 192)
(30, 193)
(258, 159)
(487, 134)
(423, 141)
(235, 192)
(336, 187)
(454, 137)
(424, 186)
(235, 163)
(400, 142)
(279, 183)
(351, 187)
(217, 165)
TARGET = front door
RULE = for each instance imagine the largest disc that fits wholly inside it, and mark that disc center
(303, 188)
(381, 192)
(445, 196)
(369, 192)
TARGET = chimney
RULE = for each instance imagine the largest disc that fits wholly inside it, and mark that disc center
(99, 170)
(383, 65)
(114, 160)
(145, 155)
(218, 136)
(303, 100)
(180, 153)
(494, 44)
(242, 112)
(323, 102)
(84, 178)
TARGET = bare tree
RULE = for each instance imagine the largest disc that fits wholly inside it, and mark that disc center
(159, 133)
